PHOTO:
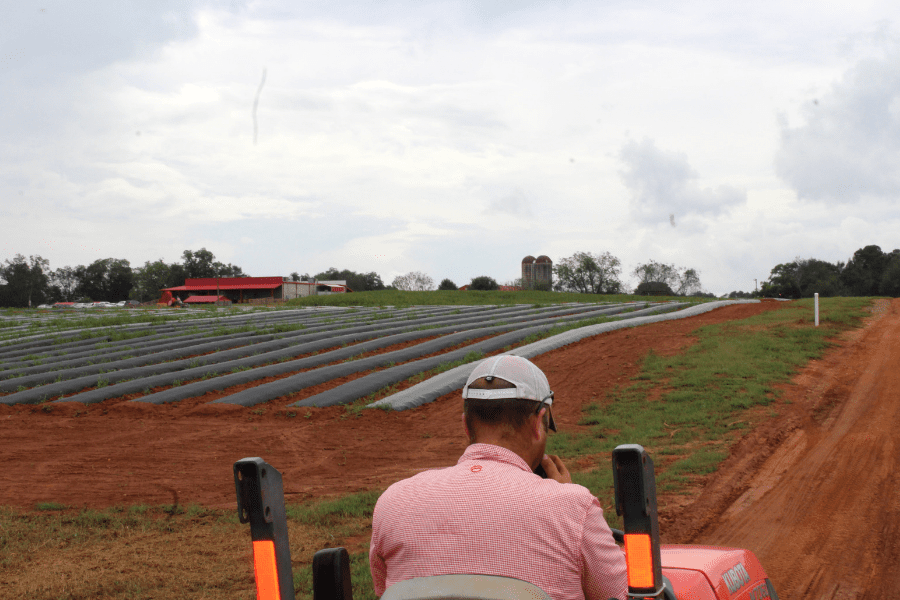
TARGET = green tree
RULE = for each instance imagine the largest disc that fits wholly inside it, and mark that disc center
(682, 282)
(656, 272)
(653, 288)
(819, 277)
(373, 281)
(62, 284)
(688, 283)
(203, 264)
(358, 282)
(864, 271)
(447, 284)
(27, 283)
(198, 264)
(783, 282)
(177, 274)
(414, 281)
(109, 279)
(229, 270)
(153, 277)
(588, 273)
(804, 277)
(890, 278)
(484, 282)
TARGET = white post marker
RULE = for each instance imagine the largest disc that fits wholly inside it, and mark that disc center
(817, 310)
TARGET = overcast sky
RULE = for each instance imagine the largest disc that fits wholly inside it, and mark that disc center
(450, 137)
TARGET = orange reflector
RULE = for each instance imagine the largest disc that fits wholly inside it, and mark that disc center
(266, 570)
(639, 558)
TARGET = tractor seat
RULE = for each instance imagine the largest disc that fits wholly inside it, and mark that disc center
(464, 587)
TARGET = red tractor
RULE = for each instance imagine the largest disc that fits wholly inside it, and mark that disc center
(665, 572)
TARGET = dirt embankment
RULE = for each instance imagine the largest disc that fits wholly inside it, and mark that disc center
(816, 493)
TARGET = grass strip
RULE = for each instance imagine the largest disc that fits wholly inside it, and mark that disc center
(688, 409)
(401, 299)
(62, 553)
(339, 519)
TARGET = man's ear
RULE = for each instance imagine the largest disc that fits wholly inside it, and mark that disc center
(466, 427)
(538, 423)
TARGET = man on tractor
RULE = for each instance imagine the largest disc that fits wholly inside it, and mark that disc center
(506, 508)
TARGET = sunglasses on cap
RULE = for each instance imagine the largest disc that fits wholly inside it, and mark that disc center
(549, 405)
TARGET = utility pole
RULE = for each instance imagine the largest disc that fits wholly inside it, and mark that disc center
(755, 285)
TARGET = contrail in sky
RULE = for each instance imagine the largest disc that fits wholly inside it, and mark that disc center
(256, 103)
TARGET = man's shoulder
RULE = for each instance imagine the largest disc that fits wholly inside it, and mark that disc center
(567, 492)
(414, 481)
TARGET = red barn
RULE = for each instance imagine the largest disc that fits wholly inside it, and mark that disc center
(255, 289)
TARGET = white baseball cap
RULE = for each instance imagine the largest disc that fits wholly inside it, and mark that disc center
(529, 381)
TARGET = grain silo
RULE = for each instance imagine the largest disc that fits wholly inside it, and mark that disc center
(542, 273)
(537, 273)
(527, 272)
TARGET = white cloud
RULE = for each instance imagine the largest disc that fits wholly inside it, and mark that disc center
(512, 204)
(444, 136)
(848, 146)
(663, 187)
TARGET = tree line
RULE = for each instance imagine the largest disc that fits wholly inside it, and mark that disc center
(30, 281)
(584, 273)
(358, 282)
(602, 274)
(869, 272)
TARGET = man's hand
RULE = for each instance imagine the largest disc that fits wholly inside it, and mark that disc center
(555, 468)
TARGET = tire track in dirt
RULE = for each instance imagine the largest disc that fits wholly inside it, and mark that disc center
(816, 493)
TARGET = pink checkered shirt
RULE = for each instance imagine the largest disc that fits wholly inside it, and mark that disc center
(490, 515)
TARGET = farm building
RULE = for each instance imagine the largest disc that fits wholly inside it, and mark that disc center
(207, 300)
(256, 290)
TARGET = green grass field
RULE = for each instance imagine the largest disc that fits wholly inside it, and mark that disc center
(687, 410)
(401, 299)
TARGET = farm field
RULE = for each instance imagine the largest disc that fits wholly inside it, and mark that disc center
(253, 358)
(148, 487)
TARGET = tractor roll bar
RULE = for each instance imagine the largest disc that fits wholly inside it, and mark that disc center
(635, 489)
(260, 500)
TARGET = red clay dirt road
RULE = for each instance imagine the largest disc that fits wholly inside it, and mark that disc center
(814, 492)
